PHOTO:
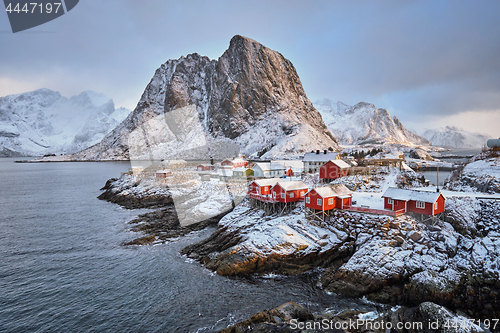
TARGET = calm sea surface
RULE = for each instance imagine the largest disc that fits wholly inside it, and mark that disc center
(63, 268)
(432, 176)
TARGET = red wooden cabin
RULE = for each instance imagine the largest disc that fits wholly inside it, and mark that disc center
(236, 163)
(262, 186)
(413, 201)
(328, 197)
(334, 169)
(205, 167)
(289, 191)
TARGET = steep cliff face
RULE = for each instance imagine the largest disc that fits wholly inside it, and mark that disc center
(364, 123)
(251, 98)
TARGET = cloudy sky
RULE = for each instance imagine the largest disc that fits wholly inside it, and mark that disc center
(431, 63)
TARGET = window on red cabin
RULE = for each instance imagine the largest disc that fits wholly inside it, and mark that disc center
(330, 201)
(302, 193)
(389, 201)
(420, 204)
(435, 205)
(292, 195)
(282, 195)
(319, 202)
(308, 200)
(274, 194)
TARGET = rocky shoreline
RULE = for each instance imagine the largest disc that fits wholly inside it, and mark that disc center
(128, 194)
(426, 317)
(159, 225)
(163, 224)
(453, 262)
(388, 260)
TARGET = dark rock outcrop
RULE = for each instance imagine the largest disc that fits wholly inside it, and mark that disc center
(274, 320)
(164, 224)
(118, 191)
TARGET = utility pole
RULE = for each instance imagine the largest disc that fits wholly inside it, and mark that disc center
(437, 185)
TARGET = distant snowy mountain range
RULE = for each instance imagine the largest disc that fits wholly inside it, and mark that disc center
(453, 137)
(44, 122)
(363, 123)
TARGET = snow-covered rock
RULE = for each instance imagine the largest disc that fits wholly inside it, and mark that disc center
(363, 123)
(454, 137)
(251, 96)
(44, 122)
(194, 200)
(420, 154)
(481, 174)
(249, 241)
(389, 259)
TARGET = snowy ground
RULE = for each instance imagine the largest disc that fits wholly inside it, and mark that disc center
(372, 200)
(195, 200)
(284, 235)
(416, 163)
(482, 174)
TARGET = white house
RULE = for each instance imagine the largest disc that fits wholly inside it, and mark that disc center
(296, 165)
(313, 161)
(268, 169)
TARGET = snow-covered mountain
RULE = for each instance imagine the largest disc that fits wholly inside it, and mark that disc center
(44, 122)
(250, 99)
(454, 137)
(363, 123)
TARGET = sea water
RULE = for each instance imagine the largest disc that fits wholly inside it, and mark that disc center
(64, 268)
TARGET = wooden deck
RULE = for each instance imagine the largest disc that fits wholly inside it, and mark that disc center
(375, 211)
(269, 198)
(263, 198)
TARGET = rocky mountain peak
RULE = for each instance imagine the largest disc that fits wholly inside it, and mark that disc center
(251, 95)
(363, 123)
(257, 81)
(342, 107)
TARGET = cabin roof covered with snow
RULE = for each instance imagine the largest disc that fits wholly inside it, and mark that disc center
(337, 190)
(267, 182)
(341, 164)
(321, 157)
(293, 185)
(407, 195)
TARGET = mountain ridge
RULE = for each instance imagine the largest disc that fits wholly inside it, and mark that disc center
(251, 96)
(363, 123)
(43, 121)
(454, 137)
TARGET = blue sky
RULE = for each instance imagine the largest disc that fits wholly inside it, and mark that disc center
(431, 63)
